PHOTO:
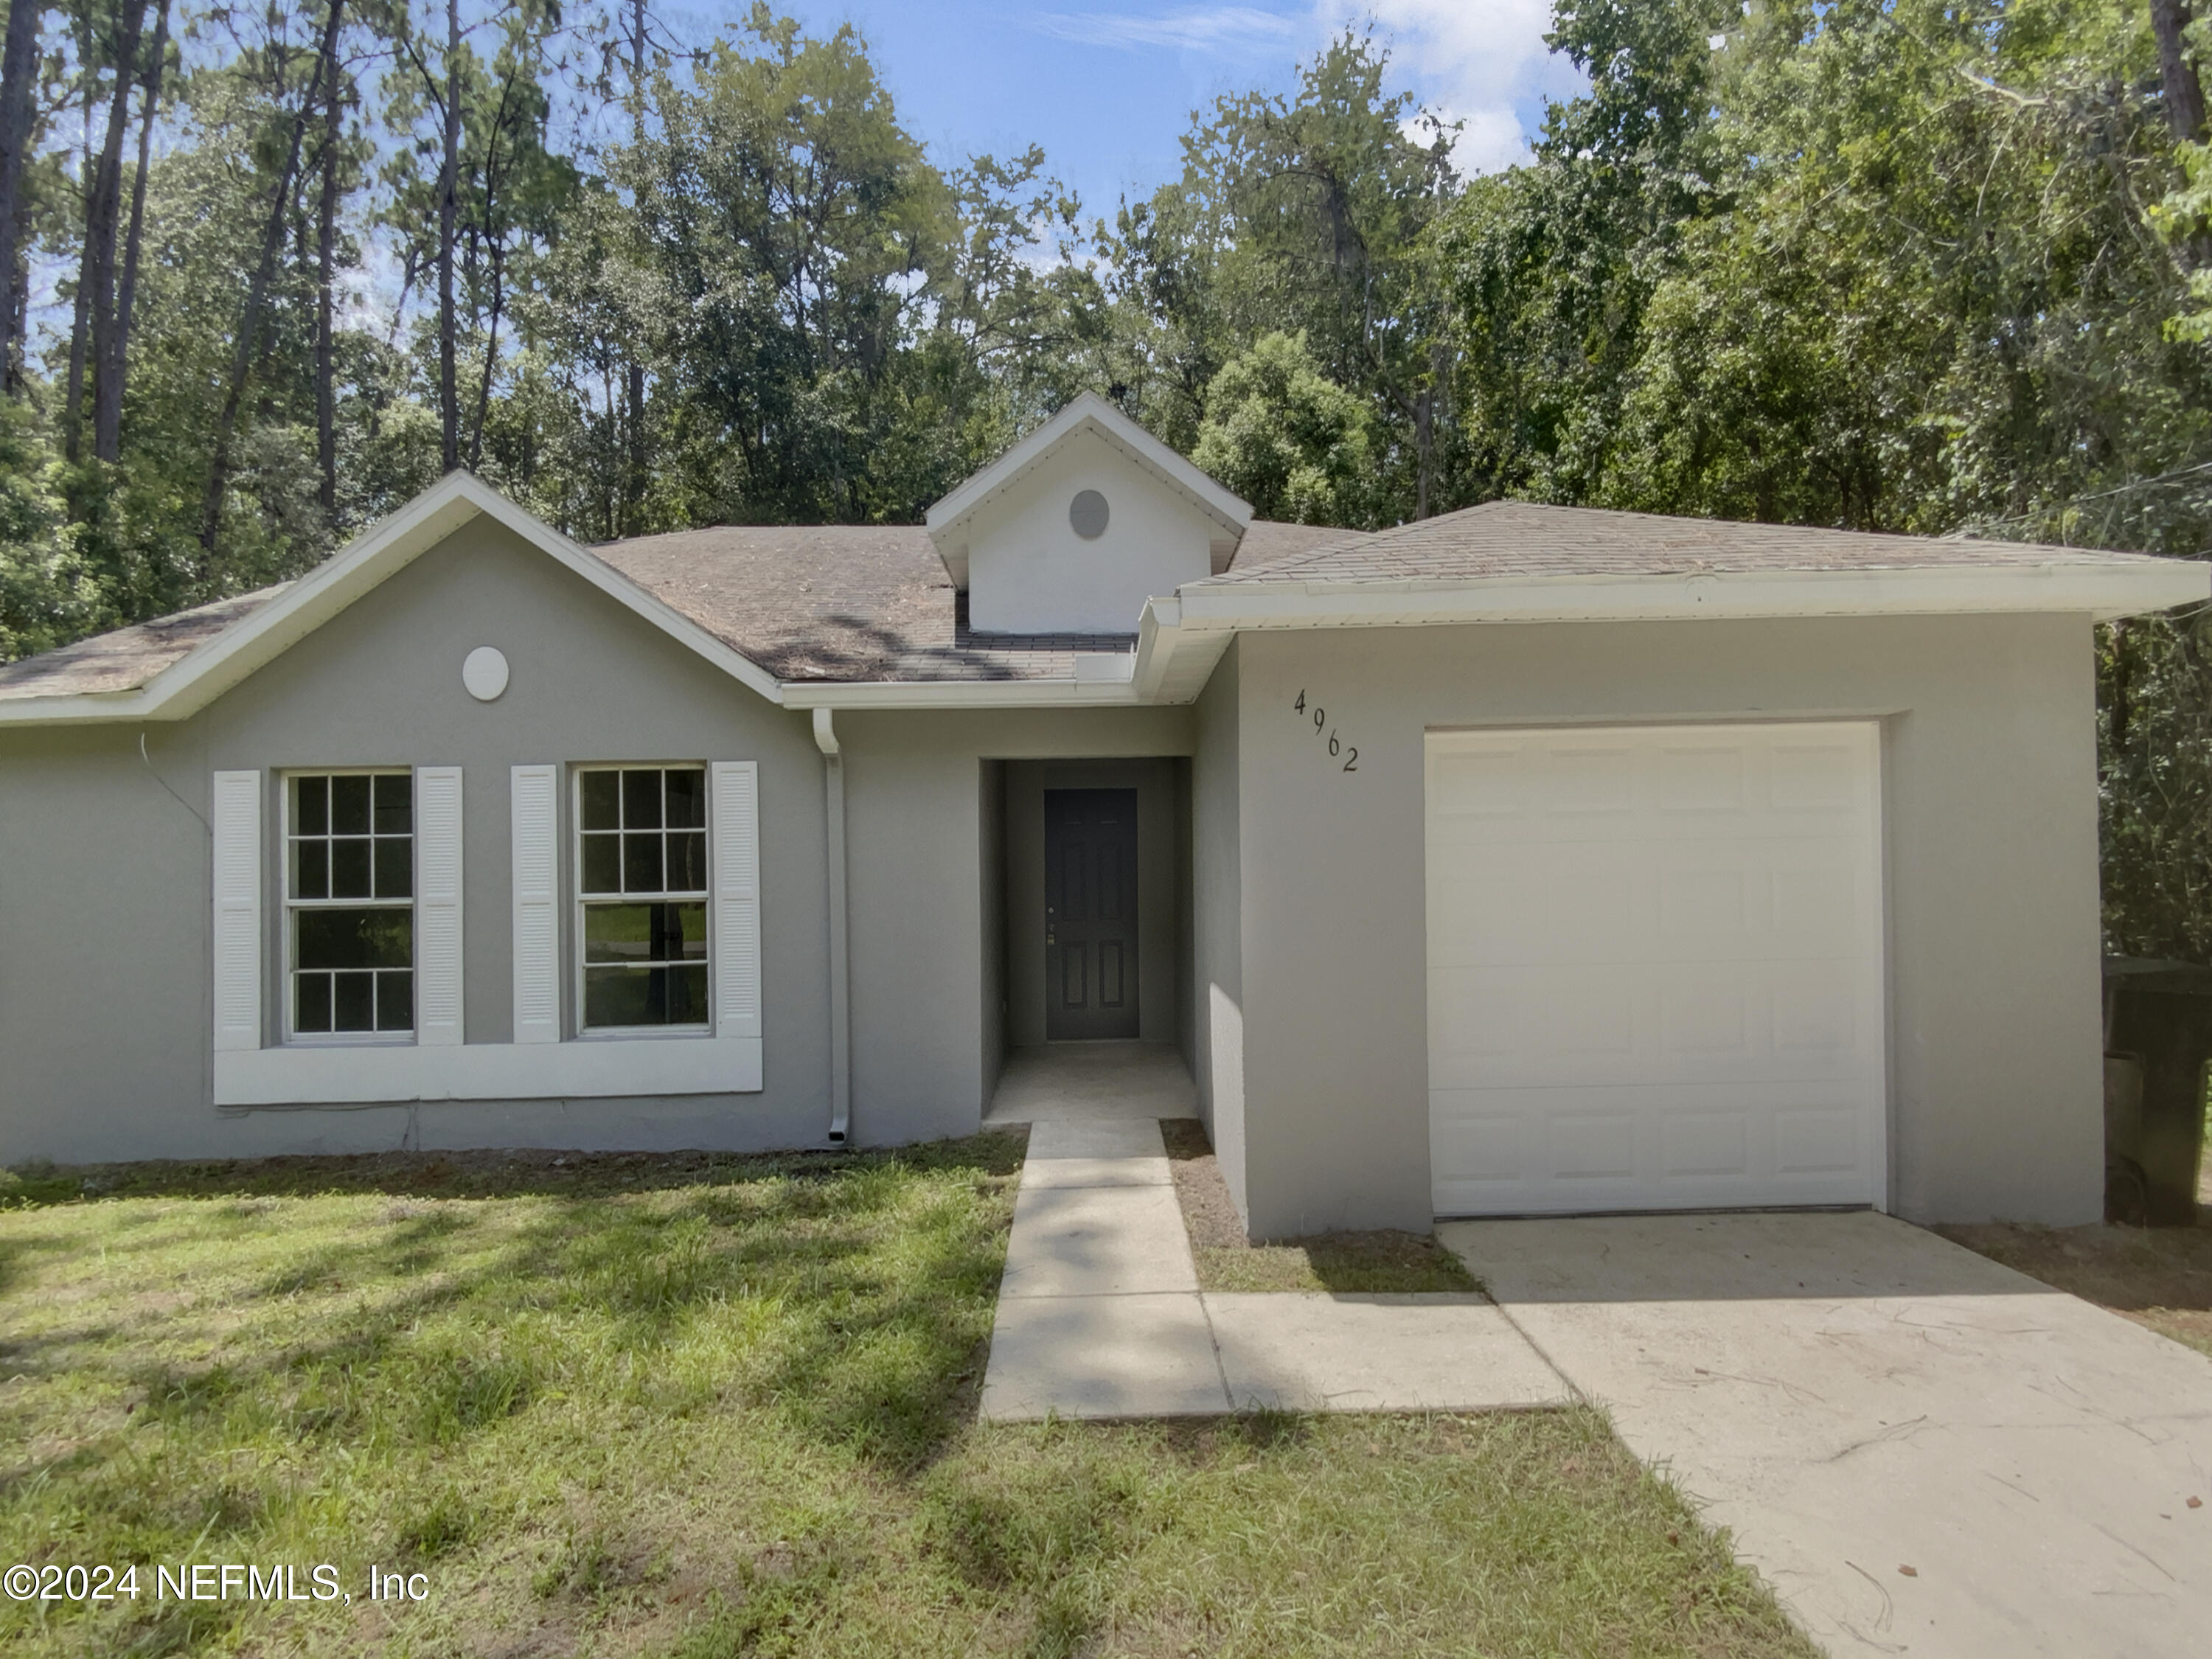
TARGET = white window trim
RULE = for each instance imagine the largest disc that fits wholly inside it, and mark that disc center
(578, 1031)
(605, 1064)
(602, 1069)
(286, 904)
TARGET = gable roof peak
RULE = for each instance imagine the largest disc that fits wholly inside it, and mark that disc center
(947, 520)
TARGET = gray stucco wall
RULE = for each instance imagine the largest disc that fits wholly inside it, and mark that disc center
(102, 870)
(1159, 967)
(1990, 848)
(103, 877)
(1217, 1001)
(914, 848)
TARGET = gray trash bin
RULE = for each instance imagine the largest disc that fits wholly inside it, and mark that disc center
(2158, 1041)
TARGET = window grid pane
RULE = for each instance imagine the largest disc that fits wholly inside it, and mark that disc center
(349, 875)
(642, 875)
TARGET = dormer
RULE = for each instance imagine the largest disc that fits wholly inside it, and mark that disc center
(1077, 525)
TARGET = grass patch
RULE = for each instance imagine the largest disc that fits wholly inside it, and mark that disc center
(2160, 1277)
(1384, 1261)
(700, 1407)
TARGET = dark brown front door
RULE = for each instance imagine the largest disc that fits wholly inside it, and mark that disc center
(1090, 913)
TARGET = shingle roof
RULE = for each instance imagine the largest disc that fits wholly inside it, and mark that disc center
(1526, 538)
(866, 602)
(838, 602)
(128, 656)
(811, 602)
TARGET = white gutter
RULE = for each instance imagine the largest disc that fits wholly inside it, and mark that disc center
(2105, 590)
(1102, 680)
(2121, 585)
(841, 997)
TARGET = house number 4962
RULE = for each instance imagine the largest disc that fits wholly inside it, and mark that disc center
(1348, 753)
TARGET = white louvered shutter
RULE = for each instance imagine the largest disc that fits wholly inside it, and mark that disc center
(534, 808)
(236, 825)
(736, 899)
(438, 967)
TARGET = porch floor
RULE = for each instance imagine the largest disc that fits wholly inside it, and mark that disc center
(1072, 1082)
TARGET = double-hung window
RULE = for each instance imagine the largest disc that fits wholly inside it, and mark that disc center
(349, 903)
(641, 886)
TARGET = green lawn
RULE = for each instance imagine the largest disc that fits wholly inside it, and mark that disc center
(700, 1407)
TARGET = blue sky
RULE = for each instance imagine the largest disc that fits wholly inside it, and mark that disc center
(1107, 86)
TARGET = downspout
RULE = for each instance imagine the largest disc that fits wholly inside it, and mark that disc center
(841, 1005)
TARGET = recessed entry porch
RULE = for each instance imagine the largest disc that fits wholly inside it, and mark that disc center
(1086, 939)
(1067, 1082)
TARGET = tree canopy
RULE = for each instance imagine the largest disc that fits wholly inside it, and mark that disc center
(1927, 266)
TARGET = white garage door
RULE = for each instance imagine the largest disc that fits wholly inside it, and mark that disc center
(1655, 968)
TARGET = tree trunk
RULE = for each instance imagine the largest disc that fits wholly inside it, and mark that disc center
(1425, 448)
(110, 364)
(81, 321)
(242, 358)
(449, 185)
(327, 237)
(2185, 93)
(19, 71)
(103, 226)
(491, 357)
(634, 484)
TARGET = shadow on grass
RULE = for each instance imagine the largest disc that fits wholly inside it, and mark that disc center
(488, 1174)
(881, 1288)
(2130, 1269)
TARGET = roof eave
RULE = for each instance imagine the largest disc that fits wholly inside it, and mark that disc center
(961, 694)
(215, 665)
(2101, 590)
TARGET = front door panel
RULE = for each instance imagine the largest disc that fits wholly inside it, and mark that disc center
(1090, 913)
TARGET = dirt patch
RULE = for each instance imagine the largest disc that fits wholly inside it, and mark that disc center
(1384, 1261)
(2161, 1277)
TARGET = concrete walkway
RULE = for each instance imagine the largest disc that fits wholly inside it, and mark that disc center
(1084, 1081)
(1100, 1315)
(1853, 1398)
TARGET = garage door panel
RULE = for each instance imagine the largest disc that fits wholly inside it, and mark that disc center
(1655, 971)
(1622, 1023)
(1548, 1150)
(1723, 900)
(1490, 1017)
(1706, 1144)
(1698, 777)
(1810, 777)
(1535, 909)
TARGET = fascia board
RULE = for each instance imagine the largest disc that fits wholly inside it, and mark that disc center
(1160, 638)
(78, 708)
(2103, 592)
(961, 694)
(1181, 669)
(208, 671)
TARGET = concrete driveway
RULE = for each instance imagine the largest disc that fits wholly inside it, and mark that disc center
(1923, 1452)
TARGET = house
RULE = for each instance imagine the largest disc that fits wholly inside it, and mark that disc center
(1526, 858)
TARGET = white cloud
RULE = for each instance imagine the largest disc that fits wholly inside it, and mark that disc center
(1479, 61)
(1482, 63)
(1205, 29)
(1488, 141)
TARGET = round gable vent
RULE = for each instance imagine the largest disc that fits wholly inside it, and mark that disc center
(484, 673)
(1087, 514)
